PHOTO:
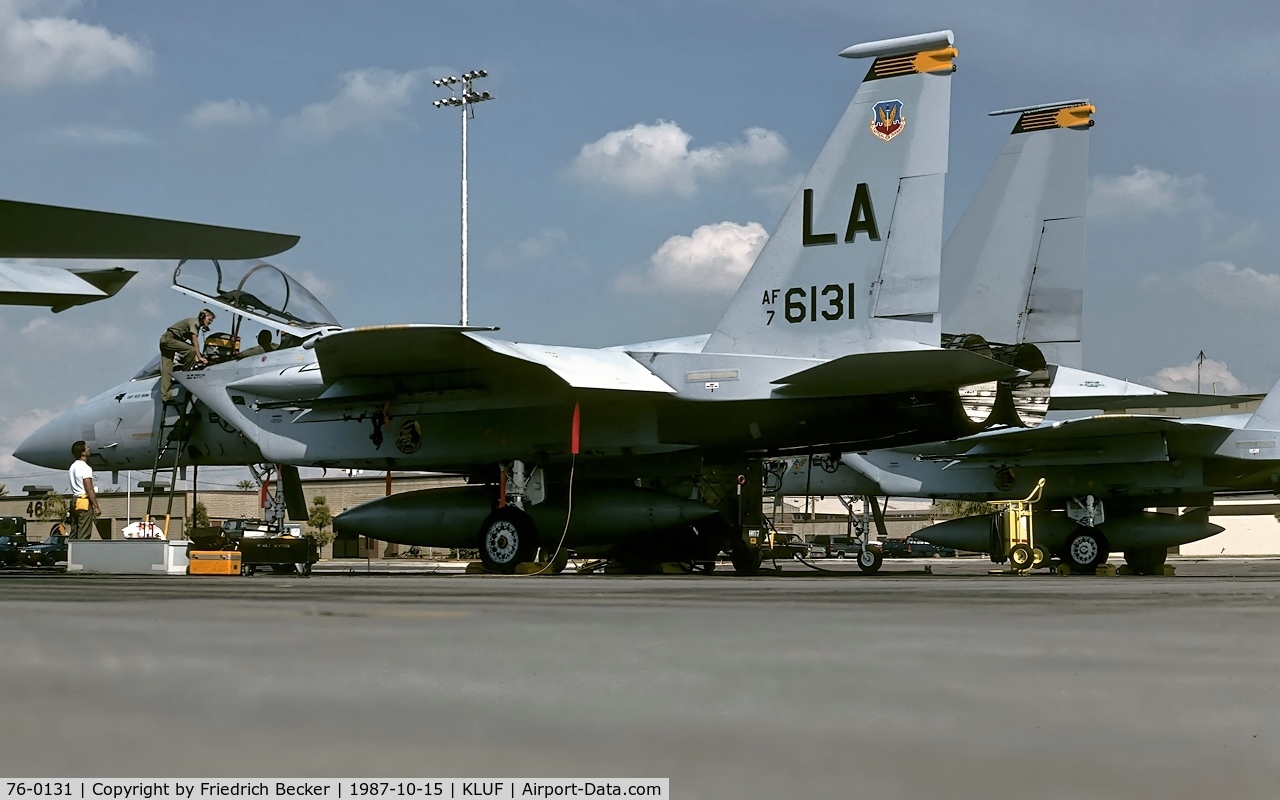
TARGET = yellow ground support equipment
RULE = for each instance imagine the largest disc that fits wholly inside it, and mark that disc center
(213, 562)
(1014, 537)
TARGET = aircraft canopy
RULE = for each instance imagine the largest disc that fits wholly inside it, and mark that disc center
(255, 289)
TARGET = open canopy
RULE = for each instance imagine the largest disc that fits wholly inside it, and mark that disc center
(257, 290)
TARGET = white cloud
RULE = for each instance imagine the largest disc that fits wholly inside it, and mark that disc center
(1145, 192)
(104, 135)
(552, 241)
(1237, 288)
(229, 112)
(781, 192)
(544, 244)
(366, 99)
(1215, 377)
(647, 159)
(713, 259)
(40, 51)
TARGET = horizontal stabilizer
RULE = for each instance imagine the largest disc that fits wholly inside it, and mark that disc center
(32, 230)
(1053, 435)
(897, 371)
(57, 288)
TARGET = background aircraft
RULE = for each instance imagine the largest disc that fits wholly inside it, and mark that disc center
(1015, 262)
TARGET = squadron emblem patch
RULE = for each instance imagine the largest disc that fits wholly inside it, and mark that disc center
(887, 119)
(409, 437)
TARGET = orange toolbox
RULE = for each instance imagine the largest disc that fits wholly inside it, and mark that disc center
(213, 562)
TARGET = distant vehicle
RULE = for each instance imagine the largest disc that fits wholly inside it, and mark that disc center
(844, 547)
(817, 551)
(47, 553)
(235, 529)
(911, 547)
(11, 549)
(786, 545)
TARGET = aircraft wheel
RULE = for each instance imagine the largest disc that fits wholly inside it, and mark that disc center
(870, 559)
(1086, 550)
(507, 538)
(1021, 556)
(745, 558)
(1040, 556)
(1146, 560)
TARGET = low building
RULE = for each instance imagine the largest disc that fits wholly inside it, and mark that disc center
(119, 509)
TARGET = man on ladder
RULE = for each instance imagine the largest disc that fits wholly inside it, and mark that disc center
(181, 342)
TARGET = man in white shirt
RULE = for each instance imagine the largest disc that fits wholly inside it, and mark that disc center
(84, 499)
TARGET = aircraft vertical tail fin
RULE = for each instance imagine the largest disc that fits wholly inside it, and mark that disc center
(1013, 267)
(853, 266)
(1267, 415)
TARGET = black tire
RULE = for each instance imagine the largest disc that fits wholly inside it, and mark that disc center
(745, 558)
(840, 554)
(1086, 550)
(1021, 556)
(507, 538)
(870, 560)
(1146, 560)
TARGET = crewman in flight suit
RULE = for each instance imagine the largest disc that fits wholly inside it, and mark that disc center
(265, 345)
(181, 342)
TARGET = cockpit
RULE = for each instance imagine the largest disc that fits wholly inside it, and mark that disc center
(252, 292)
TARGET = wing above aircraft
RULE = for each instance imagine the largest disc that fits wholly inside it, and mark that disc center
(33, 230)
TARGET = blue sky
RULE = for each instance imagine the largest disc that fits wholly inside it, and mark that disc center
(316, 119)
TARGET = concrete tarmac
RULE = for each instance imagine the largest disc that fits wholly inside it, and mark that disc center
(896, 686)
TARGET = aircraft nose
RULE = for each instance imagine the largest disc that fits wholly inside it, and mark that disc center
(49, 446)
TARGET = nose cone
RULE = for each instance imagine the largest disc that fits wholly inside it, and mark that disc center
(50, 445)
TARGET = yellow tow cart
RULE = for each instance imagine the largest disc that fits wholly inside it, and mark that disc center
(1012, 534)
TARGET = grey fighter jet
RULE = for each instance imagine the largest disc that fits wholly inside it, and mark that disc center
(1013, 272)
(832, 342)
(32, 230)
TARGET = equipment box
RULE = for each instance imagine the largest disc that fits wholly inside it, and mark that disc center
(213, 562)
(281, 553)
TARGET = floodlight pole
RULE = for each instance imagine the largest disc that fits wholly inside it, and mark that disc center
(465, 91)
(466, 100)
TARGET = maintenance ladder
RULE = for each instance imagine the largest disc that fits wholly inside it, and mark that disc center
(173, 438)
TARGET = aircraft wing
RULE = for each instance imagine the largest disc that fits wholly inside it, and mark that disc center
(1050, 436)
(57, 288)
(1164, 400)
(32, 230)
(407, 350)
(895, 371)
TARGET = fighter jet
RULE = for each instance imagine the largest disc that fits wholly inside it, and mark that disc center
(32, 230)
(832, 342)
(1014, 270)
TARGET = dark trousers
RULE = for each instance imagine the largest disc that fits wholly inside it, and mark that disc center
(82, 524)
(172, 347)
